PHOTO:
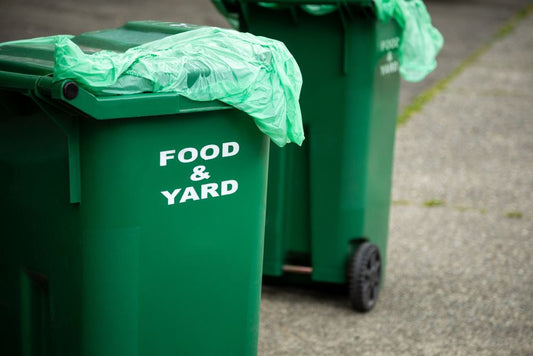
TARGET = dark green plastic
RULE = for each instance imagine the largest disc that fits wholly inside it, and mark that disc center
(334, 192)
(94, 260)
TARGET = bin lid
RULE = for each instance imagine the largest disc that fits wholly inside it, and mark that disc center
(148, 68)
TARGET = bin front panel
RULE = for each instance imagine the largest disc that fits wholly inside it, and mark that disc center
(155, 259)
(194, 227)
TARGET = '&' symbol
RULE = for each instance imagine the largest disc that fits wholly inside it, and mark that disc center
(199, 173)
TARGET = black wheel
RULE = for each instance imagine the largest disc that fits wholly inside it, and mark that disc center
(364, 277)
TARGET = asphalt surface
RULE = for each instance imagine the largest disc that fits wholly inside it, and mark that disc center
(460, 272)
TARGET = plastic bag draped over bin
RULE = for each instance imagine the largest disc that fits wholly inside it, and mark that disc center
(420, 41)
(254, 74)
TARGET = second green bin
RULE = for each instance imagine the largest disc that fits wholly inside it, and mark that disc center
(328, 202)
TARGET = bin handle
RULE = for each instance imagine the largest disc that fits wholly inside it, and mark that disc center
(39, 89)
(68, 125)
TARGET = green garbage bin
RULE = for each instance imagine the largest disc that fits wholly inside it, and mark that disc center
(130, 224)
(328, 202)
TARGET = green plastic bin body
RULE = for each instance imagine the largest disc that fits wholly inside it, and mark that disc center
(333, 193)
(114, 240)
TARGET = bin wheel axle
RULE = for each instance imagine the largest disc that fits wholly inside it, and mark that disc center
(364, 277)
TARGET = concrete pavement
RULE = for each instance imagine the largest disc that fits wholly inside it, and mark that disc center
(466, 26)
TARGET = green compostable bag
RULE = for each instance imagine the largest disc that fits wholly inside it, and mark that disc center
(254, 74)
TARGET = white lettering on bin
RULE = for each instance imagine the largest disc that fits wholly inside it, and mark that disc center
(207, 153)
(226, 149)
(188, 194)
(205, 150)
(208, 190)
(389, 68)
(229, 187)
(389, 44)
(199, 172)
(164, 156)
(193, 155)
(171, 196)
